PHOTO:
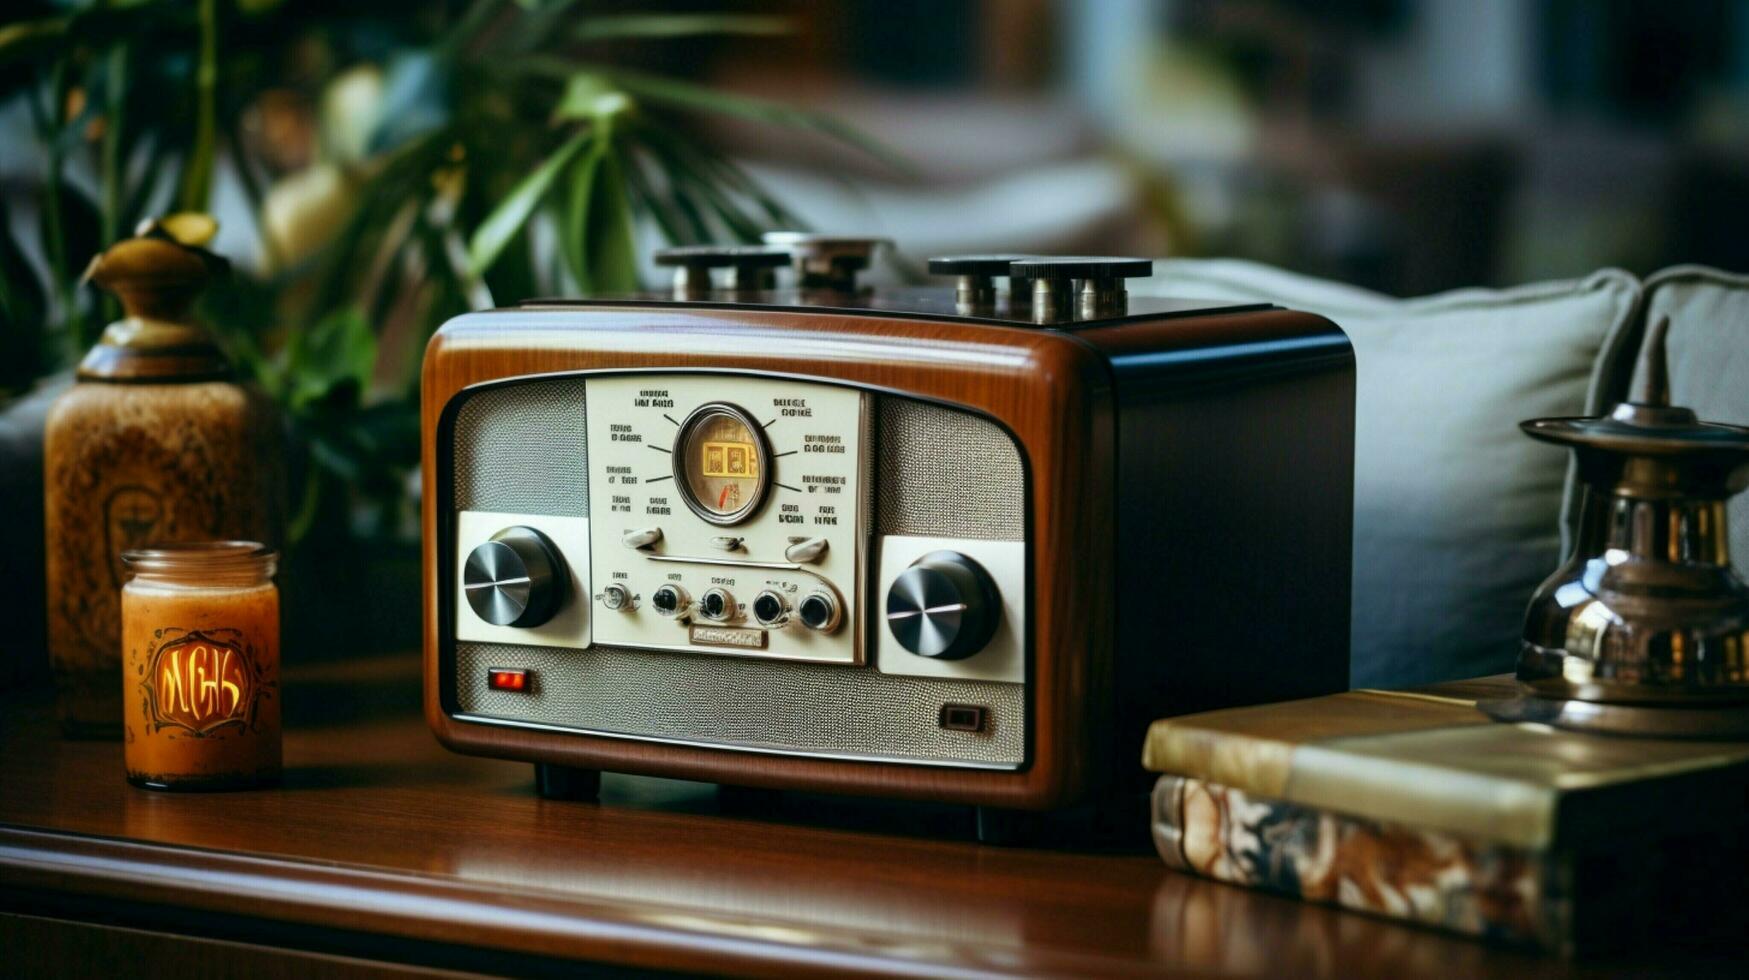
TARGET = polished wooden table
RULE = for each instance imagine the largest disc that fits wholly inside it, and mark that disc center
(384, 853)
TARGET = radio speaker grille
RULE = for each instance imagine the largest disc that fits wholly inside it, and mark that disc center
(521, 449)
(946, 473)
(739, 701)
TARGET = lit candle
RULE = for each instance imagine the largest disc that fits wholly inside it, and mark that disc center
(200, 654)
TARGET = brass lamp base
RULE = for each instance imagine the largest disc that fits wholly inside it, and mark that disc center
(1722, 723)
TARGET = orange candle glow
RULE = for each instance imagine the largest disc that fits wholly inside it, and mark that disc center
(200, 653)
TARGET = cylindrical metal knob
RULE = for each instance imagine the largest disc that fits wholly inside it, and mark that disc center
(977, 276)
(752, 267)
(670, 600)
(517, 578)
(770, 609)
(827, 261)
(1101, 291)
(820, 611)
(616, 597)
(944, 606)
(717, 605)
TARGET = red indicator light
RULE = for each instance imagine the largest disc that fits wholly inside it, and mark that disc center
(507, 679)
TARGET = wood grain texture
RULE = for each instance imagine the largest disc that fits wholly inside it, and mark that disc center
(55, 948)
(1050, 390)
(383, 845)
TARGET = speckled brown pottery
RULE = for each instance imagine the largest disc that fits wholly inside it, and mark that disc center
(155, 443)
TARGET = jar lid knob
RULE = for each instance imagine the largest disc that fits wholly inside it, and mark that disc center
(157, 275)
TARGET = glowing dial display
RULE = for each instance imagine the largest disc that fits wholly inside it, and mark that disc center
(721, 463)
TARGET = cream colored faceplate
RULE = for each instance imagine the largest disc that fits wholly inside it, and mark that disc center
(569, 627)
(1004, 657)
(818, 447)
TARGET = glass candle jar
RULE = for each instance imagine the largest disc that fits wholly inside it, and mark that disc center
(200, 654)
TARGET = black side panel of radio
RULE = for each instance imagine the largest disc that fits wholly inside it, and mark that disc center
(1234, 527)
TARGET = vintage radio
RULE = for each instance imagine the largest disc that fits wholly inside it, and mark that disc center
(953, 544)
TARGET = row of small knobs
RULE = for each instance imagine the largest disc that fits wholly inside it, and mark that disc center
(943, 606)
(818, 611)
(1047, 283)
(1050, 284)
(828, 262)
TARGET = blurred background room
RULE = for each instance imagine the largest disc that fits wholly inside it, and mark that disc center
(376, 168)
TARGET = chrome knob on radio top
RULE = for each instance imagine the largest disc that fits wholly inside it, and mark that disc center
(944, 606)
(516, 578)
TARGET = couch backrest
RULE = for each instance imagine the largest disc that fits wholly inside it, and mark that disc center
(1708, 349)
(1456, 512)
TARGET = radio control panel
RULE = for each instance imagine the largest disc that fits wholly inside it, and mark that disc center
(727, 515)
(733, 515)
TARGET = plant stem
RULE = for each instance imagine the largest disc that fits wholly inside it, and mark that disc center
(197, 177)
(112, 162)
(53, 229)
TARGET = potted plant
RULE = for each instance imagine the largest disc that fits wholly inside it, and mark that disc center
(398, 168)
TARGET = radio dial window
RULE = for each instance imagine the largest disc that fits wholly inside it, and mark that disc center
(722, 464)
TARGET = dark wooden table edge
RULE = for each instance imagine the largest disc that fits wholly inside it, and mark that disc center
(94, 872)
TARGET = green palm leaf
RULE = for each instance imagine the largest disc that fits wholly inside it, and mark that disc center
(513, 212)
(627, 27)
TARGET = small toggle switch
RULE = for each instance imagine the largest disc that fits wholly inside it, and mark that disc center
(643, 537)
(803, 551)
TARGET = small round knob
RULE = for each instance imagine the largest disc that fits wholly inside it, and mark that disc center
(717, 605)
(770, 609)
(944, 606)
(616, 597)
(819, 611)
(669, 600)
(516, 578)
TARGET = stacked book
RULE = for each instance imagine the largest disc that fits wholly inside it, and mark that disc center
(1413, 804)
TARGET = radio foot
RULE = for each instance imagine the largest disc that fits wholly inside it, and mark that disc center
(749, 801)
(1007, 828)
(555, 782)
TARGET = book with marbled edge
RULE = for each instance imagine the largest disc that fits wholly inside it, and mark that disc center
(1496, 892)
(1414, 805)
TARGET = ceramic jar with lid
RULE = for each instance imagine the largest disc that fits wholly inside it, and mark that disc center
(156, 442)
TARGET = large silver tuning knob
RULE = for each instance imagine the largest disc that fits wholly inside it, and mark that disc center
(517, 578)
(944, 606)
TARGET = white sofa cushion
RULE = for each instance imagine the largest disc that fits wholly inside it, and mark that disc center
(1456, 513)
